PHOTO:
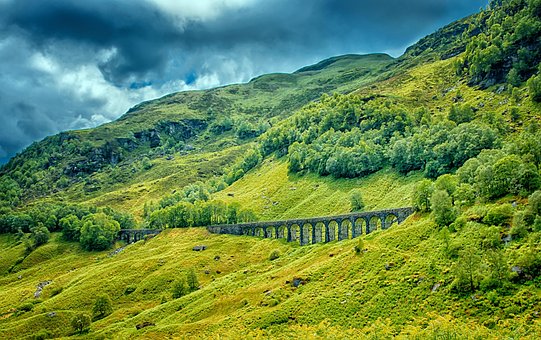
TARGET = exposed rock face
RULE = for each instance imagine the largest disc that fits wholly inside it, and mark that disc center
(113, 152)
(39, 288)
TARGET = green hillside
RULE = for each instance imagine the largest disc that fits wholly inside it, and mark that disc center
(452, 128)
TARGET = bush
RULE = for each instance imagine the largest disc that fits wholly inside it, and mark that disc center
(26, 307)
(534, 86)
(356, 200)
(359, 247)
(275, 254)
(102, 307)
(71, 227)
(499, 215)
(80, 322)
(129, 290)
(57, 290)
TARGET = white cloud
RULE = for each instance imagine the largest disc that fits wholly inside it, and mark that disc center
(199, 9)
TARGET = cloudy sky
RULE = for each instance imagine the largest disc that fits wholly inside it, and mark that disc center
(70, 64)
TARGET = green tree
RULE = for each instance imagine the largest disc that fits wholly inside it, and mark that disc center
(356, 200)
(534, 201)
(98, 232)
(421, 195)
(102, 307)
(498, 267)
(467, 269)
(443, 211)
(40, 234)
(534, 87)
(180, 288)
(191, 280)
(71, 227)
(80, 322)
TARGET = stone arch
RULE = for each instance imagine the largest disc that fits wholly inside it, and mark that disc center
(318, 232)
(281, 231)
(247, 231)
(332, 230)
(295, 233)
(390, 220)
(374, 224)
(359, 225)
(306, 233)
(344, 231)
(258, 232)
(269, 232)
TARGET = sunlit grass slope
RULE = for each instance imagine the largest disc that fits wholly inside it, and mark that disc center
(274, 193)
(386, 290)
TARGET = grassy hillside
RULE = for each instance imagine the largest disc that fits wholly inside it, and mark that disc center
(398, 286)
(451, 127)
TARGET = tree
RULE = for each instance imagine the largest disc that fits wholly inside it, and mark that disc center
(40, 234)
(442, 208)
(71, 227)
(102, 307)
(498, 267)
(99, 231)
(421, 195)
(467, 269)
(534, 201)
(534, 86)
(356, 200)
(80, 322)
(180, 288)
(191, 280)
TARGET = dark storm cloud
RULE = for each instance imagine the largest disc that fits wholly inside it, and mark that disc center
(72, 64)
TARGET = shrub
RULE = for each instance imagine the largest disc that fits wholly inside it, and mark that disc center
(80, 322)
(57, 290)
(102, 307)
(356, 200)
(129, 290)
(534, 86)
(359, 246)
(274, 255)
(499, 215)
(71, 227)
(26, 307)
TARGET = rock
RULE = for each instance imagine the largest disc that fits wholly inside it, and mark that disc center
(144, 324)
(298, 282)
(51, 314)
(230, 194)
(435, 287)
(20, 277)
(389, 266)
(216, 258)
(199, 248)
(207, 272)
(218, 272)
(39, 288)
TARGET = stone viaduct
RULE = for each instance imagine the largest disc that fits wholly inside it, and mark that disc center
(318, 229)
(134, 235)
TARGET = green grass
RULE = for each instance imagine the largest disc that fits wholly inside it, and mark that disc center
(245, 295)
(273, 193)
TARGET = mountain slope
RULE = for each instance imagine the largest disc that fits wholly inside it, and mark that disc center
(445, 128)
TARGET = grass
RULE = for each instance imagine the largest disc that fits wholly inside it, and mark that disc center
(387, 290)
(273, 193)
